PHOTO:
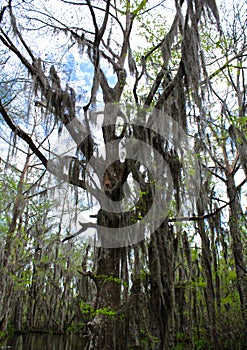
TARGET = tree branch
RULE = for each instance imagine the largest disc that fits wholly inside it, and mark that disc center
(199, 218)
(85, 226)
(23, 135)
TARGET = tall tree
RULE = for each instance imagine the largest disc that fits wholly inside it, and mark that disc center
(139, 270)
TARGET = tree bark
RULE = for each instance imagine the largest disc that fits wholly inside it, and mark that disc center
(103, 332)
(162, 293)
(235, 220)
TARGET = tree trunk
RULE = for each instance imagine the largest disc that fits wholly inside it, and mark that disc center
(162, 295)
(103, 328)
(206, 263)
(235, 219)
(10, 252)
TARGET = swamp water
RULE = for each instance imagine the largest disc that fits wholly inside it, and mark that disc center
(42, 342)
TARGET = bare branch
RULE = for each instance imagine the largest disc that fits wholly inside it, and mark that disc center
(22, 134)
(85, 226)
